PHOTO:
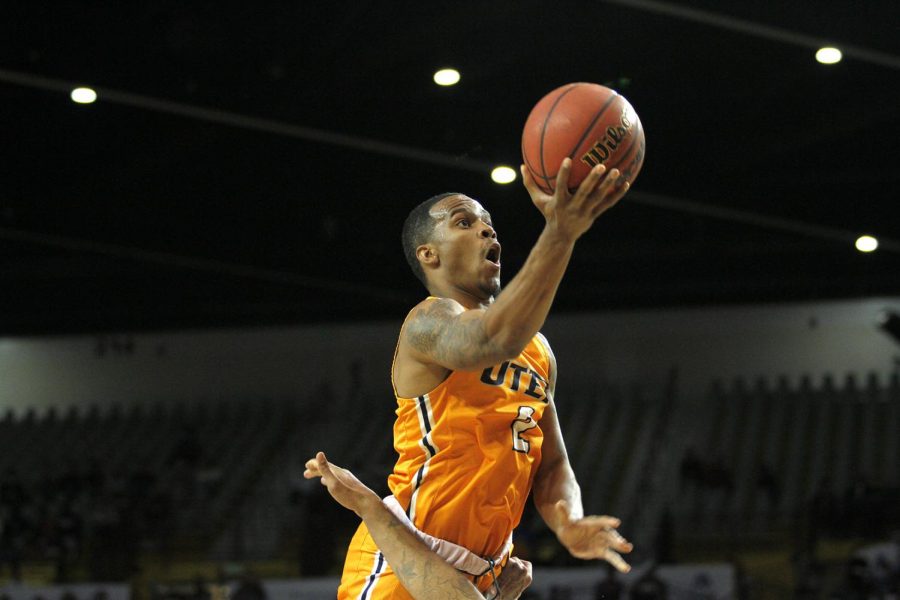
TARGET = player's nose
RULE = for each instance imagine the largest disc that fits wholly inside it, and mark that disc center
(488, 232)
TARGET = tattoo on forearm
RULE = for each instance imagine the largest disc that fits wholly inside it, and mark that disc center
(418, 574)
(406, 569)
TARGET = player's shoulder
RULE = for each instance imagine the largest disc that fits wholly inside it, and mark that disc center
(427, 319)
(431, 308)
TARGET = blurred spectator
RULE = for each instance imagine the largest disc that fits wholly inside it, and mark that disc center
(824, 510)
(12, 491)
(856, 582)
(69, 483)
(140, 483)
(325, 397)
(160, 517)
(249, 589)
(664, 541)
(808, 579)
(560, 593)
(95, 478)
(13, 536)
(201, 590)
(68, 537)
(768, 484)
(691, 468)
(701, 587)
(649, 587)
(883, 576)
(705, 474)
(610, 588)
(188, 450)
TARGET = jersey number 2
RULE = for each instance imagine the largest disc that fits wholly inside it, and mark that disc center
(520, 425)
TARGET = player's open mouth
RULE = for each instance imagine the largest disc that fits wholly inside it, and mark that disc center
(493, 254)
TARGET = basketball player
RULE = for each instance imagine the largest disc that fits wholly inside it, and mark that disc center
(476, 427)
(424, 574)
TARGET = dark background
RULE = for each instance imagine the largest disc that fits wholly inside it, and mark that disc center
(115, 216)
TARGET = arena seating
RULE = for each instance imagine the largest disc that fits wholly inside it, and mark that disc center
(224, 480)
(115, 482)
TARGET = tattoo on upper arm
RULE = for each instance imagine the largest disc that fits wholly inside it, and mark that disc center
(436, 331)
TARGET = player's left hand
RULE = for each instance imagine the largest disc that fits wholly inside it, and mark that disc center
(514, 578)
(592, 537)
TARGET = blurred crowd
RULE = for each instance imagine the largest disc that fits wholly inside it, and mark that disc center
(86, 511)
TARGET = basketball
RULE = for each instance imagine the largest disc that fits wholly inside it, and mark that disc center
(589, 123)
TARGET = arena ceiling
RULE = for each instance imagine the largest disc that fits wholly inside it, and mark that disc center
(251, 163)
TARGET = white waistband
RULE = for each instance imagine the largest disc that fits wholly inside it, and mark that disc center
(460, 557)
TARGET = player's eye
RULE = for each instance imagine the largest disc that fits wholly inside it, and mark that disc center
(463, 222)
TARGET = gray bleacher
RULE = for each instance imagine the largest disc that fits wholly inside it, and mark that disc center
(626, 446)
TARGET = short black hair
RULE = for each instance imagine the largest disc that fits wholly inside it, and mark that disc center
(417, 230)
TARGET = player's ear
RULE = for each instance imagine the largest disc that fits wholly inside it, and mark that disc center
(428, 255)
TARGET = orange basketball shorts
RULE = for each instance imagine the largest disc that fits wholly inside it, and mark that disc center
(368, 576)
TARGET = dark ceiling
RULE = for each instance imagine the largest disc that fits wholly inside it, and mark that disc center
(251, 163)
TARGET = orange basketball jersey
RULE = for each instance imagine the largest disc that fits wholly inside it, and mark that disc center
(469, 449)
(468, 452)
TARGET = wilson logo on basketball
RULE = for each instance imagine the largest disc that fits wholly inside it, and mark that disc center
(603, 147)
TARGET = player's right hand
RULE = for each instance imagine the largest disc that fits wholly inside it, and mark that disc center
(343, 485)
(571, 214)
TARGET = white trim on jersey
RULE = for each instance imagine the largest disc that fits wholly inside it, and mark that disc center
(426, 425)
(378, 568)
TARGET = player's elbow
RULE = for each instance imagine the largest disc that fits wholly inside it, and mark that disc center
(504, 338)
(510, 344)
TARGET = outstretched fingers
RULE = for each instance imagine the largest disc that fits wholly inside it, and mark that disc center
(589, 184)
(609, 192)
(616, 560)
(528, 180)
(311, 469)
(318, 467)
(562, 178)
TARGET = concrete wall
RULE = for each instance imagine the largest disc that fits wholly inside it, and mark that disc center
(747, 341)
(624, 347)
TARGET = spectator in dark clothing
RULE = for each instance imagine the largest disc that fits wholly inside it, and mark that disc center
(184, 461)
(68, 541)
(12, 492)
(69, 483)
(768, 483)
(249, 589)
(610, 588)
(649, 587)
(560, 593)
(187, 450)
(13, 535)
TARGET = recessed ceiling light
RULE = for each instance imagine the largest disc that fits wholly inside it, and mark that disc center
(828, 55)
(866, 243)
(446, 77)
(503, 174)
(83, 95)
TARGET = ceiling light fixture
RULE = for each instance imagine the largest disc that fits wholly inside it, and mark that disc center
(83, 95)
(446, 77)
(828, 55)
(866, 243)
(503, 174)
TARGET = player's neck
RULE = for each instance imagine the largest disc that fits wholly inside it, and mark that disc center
(462, 296)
